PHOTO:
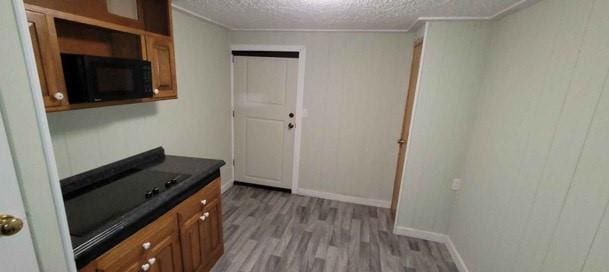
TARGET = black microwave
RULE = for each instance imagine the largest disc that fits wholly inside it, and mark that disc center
(96, 79)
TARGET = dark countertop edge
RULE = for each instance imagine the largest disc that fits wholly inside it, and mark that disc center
(123, 232)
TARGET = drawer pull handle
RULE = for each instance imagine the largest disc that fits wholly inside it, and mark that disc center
(204, 201)
(146, 245)
(59, 96)
(145, 267)
(151, 261)
(203, 217)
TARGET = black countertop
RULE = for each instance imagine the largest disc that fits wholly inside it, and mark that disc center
(194, 173)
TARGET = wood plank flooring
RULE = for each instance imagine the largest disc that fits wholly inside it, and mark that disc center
(274, 231)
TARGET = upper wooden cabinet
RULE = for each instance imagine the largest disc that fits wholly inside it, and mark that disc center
(48, 63)
(156, 16)
(149, 15)
(160, 53)
(88, 27)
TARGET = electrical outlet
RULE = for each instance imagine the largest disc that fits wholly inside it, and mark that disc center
(457, 184)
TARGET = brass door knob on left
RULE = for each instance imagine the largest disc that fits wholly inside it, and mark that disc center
(10, 225)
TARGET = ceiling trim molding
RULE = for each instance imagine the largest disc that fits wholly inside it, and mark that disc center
(317, 30)
(199, 16)
(513, 8)
(421, 20)
(415, 25)
(502, 13)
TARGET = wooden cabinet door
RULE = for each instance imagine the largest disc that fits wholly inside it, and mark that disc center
(201, 229)
(213, 244)
(166, 256)
(191, 237)
(159, 51)
(48, 63)
(120, 265)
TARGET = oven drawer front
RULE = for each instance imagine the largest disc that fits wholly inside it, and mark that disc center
(135, 252)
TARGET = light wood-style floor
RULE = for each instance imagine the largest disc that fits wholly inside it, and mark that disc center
(273, 231)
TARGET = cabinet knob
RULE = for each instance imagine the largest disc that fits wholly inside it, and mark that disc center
(59, 96)
(206, 214)
(204, 201)
(156, 91)
(145, 267)
(151, 261)
(203, 217)
(146, 245)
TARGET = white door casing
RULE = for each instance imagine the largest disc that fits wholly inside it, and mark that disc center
(31, 151)
(16, 251)
(265, 95)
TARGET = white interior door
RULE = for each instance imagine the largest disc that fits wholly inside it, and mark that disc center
(16, 251)
(265, 104)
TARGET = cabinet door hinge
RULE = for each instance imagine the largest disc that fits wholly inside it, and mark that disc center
(233, 114)
(233, 162)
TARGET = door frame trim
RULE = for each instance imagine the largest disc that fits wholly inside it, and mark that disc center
(45, 134)
(412, 123)
(301, 49)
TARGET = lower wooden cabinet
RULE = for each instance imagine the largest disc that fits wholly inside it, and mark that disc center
(201, 230)
(212, 230)
(166, 256)
(188, 238)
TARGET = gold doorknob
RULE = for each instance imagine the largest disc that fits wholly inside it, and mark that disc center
(10, 225)
(401, 141)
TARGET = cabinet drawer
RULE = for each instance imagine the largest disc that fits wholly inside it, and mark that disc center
(195, 204)
(133, 251)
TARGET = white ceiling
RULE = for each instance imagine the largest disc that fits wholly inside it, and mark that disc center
(341, 14)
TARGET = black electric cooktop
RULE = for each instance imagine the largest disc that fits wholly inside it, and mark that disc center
(90, 208)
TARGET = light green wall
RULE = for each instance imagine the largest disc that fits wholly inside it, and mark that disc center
(355, 89)
(535, 164)
(196, 124)
(536, 172)
(454, 54)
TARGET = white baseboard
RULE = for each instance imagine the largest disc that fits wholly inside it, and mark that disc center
(227, 185)
(435, 237)
(421, 234)
(454, 253)
(344, 198)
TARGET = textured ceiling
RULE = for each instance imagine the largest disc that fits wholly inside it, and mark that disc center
(338, 14)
